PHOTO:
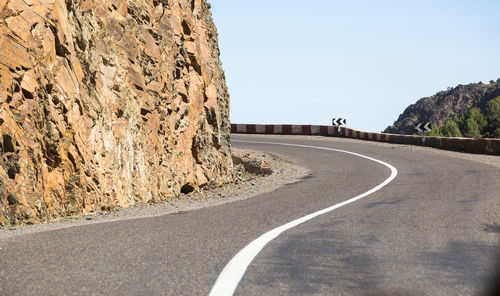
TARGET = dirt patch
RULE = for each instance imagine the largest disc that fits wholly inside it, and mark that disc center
(252, 165)
(256, 173)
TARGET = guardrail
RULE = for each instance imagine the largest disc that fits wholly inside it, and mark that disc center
(484, 146)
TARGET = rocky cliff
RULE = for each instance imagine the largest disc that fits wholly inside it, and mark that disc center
(445, 105)
(107, 104)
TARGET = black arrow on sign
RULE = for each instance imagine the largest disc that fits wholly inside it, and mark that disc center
(426, 127)
(418, 129)
(338, 121)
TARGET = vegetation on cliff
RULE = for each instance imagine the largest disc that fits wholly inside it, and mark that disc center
(473, 124)
(454, 110)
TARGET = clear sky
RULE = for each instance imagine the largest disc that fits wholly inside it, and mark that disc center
(304, 62)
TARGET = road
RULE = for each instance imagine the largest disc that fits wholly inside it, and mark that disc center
(433, 230)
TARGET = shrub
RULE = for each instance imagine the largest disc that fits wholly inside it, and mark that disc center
(450, 129)
(493, 114)
(473, 124)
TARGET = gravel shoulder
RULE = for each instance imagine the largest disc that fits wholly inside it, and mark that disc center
(492, 160)
(257, 173)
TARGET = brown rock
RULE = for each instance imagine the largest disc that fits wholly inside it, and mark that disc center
(13, 54)
(29, 84)
(107, 104)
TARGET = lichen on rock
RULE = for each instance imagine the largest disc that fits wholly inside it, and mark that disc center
(108, 104)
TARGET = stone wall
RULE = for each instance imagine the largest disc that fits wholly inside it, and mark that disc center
(107, 104)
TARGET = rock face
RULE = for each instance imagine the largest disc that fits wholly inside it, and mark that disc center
(107, 104)
(444, 105)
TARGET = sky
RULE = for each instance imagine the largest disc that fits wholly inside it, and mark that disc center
(306, 62)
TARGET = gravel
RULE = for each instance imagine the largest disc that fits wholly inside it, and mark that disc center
(256, 173)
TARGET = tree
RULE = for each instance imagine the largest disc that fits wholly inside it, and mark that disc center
(496, 133)
(473, 124)
(476, 115)
(450, 129)
(472, 129)
(435, 131)
(493, 116)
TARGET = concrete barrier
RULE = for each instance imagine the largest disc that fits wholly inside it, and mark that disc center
(484, 146)
(285, 129)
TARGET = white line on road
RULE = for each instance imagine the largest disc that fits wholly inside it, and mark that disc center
(233, 272)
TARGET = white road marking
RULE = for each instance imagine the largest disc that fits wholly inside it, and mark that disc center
(233, 272)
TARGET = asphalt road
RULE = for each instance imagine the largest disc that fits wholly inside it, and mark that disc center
(432, 231)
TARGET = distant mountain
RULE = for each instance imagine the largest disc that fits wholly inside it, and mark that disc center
(445, 105)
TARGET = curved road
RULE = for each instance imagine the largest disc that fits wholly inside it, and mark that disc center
(433, 230)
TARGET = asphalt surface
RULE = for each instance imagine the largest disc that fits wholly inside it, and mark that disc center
(432, 231)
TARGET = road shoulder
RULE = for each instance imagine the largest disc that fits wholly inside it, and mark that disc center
(249, 183)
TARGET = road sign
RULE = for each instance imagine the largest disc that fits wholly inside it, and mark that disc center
(426, 127)
(338, 121)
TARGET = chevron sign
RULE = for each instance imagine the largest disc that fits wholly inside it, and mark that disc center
(338, 121)
(422, 129)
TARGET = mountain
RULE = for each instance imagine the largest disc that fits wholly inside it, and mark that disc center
(107, 104)
(445, 105)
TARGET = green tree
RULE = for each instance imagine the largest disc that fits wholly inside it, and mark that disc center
(476, 115)
(496, 133)
(493, 116)
(450, 129)
(473, 124)
(435, 132)
(472, 129)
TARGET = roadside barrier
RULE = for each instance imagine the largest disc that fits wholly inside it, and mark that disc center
(484, 146)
